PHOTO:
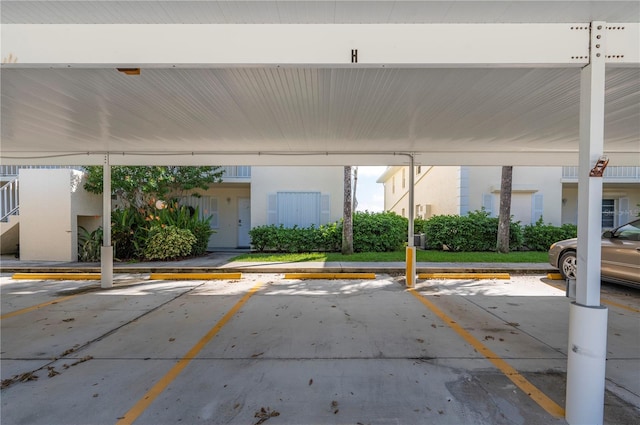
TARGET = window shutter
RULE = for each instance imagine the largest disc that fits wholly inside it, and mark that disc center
(623, 211)
(272, 208)
(325, 209)
(537, 207)
(487, 203)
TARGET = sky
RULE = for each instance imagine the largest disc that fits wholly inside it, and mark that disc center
(370, 194)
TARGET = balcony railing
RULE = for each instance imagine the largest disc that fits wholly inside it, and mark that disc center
(12, 170)
(615, 173)
(237, 172)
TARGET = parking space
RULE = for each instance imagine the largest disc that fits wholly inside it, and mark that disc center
(265, 349)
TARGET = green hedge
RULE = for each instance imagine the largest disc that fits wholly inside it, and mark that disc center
(540, 236)
(476, 231)
(380, 232)
(372, 232)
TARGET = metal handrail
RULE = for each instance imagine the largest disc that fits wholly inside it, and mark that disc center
(9, 199)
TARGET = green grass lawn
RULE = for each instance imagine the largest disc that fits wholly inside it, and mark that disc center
(421, 256)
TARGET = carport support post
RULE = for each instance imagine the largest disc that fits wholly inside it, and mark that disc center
(588, 319)
(106, 250)
(411, 249)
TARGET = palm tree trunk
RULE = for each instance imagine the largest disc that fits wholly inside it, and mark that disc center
(504, 219)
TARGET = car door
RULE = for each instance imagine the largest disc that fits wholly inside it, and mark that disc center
(621, 253)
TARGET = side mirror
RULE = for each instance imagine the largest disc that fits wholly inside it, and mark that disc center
(608, 234)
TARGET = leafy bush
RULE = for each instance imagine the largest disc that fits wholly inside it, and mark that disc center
(378, 232)
(168, 242)
(540, 236)
(129, 232)
(296, 239)
(372, 232)
(89, 244)
(185, 217)
(476, 231)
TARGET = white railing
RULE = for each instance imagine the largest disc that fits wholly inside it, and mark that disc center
(237, 172)
(12, 170)
(9, 201)
(610, 173)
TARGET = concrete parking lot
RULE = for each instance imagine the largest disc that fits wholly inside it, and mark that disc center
(283, 351)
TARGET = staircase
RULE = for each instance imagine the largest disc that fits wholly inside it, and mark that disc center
(9, 219)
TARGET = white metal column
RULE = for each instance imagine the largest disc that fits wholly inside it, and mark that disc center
(588, 319)
(411, 249)
(106, 251)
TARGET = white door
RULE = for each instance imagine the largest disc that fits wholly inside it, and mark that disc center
(244, 222)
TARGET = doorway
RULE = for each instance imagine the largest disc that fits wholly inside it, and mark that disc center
(244, 222)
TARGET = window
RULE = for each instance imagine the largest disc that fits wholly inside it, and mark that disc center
(301, 209)
(608, 213)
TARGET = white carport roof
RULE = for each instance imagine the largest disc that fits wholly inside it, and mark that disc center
(274, 82)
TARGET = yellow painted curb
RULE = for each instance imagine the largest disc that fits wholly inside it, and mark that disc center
(554, 276)
(330, 276)
(464, 276)
(57, 276)
(194, 276)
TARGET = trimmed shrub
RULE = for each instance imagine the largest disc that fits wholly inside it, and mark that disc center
(476, 231)
(372, 232)
(168, 243)
(378, 232)
(540, 236)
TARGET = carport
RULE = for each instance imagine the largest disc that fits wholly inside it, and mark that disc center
(337, 83)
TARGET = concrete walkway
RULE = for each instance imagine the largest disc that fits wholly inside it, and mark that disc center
(221, 262)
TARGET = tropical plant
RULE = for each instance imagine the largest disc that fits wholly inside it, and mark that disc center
(89, 244)
(140, 185)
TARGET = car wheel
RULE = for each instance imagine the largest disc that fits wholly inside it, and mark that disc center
(567, 265)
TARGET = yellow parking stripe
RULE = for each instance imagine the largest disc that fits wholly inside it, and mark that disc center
(615, 304)
(194, 276)
(464, 276)
(520, 381)
(35, 307)
(164, 382)
(554, 276)
(57, 276)
(330, 276)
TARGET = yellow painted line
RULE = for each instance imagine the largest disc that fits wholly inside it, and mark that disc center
(554, 276)
(57, 276)
(164, 382)
(330, 276)
(464, 276)
(605, 301)
(521, 382)
(194, 276)
(35, 307)
(615, 304)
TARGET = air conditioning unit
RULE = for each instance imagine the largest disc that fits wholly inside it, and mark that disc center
(419, 240)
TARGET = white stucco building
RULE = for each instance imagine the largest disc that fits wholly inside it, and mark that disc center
(547, 192)
(53, 204)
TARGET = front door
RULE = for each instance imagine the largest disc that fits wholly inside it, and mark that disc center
(244, 222)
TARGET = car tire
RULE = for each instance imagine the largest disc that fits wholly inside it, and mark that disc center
(567, 265)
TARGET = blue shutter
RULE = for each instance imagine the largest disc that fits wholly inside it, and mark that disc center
(537, 207)
(487, 203)
(325, 209)
(623, 211)
(272, 209)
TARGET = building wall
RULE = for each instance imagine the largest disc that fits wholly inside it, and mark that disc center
(437, 190)
(51, 202)
(270, 180)
(530, 184)
(626, 197)
(226, 196)
(458, 190)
